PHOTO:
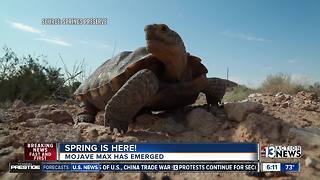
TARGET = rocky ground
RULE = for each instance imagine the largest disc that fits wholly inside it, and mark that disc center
(265, 118)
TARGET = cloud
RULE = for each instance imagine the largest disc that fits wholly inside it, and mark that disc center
(268, 68)
(24, 27)
(105, 46)
(244, 36)
(55, 41)
(292, 61)
(43, 36)
(83, 42)
(96, 44)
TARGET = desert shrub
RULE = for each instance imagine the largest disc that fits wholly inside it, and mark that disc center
(237, 94)
(280, 83)
(315, 88)
(31, 79)
(8, 63)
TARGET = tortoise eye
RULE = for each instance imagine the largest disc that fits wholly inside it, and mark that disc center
(164, 28)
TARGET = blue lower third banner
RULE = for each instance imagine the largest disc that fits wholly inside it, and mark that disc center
(154, 167)
(158, 152)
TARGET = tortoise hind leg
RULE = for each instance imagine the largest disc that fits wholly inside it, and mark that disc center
(216, 89)
(130, 99)
(87, 112)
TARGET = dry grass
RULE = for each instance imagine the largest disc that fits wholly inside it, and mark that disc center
(280, 83)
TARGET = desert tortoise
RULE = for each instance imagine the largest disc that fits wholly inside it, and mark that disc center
(160, 76)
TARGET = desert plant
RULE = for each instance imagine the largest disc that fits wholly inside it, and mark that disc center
(75, 76)
(280, 83)
(237, 94)
(315, 88)
(8, 63)
(32, 79)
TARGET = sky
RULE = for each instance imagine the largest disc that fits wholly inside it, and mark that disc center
(253, 38)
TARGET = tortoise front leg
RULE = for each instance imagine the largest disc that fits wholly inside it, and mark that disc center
(216, 88)
(130, 99)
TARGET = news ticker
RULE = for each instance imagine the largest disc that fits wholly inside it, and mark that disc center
(156, 152)
(130, 157)
(27, 167)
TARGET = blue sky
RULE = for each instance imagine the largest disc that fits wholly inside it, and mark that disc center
(253, 38)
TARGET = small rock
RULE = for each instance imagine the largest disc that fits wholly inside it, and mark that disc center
(246, 100)
(82, 126)
(280, 98)
(93, 133)
(309, 107)
(310, 162)
(307, 95)
(17, 144)
(144, 121)
(284, 105)
(105, 138)
(16, 155)
(252, 97)
(225, 126)
(307, 136)
(18, 104)
(193, 136)
(21, 176)
(126, 138)
(47, 107)
(23, 116)
(35, 122)
(99, 176)
(144, 176)
(165, 177)
(5, 151)
(279, 94)
(168, 125)
(6, 141)
(288, 97)
(201, 120)
(256, 127)
(155, 123)
(57, 116)
(239, 111)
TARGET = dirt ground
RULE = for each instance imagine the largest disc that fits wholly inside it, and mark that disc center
(269, 119)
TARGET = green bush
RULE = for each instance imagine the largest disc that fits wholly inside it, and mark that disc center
(280, 83)
(30, 79)
(237, 94)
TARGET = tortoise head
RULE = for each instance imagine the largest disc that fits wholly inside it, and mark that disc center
(167, 46)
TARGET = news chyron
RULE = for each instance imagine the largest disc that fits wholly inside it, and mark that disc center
(278, 151)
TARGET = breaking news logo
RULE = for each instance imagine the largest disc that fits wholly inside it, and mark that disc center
(273, 151)
(40, 151)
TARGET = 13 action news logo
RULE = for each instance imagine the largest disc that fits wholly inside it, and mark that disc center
(273, 151)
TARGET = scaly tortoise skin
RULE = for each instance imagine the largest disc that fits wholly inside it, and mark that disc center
(160, 76)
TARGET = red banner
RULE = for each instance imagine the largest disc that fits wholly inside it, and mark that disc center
(40, 151)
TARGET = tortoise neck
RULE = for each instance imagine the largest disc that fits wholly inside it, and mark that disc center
(175, 69)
